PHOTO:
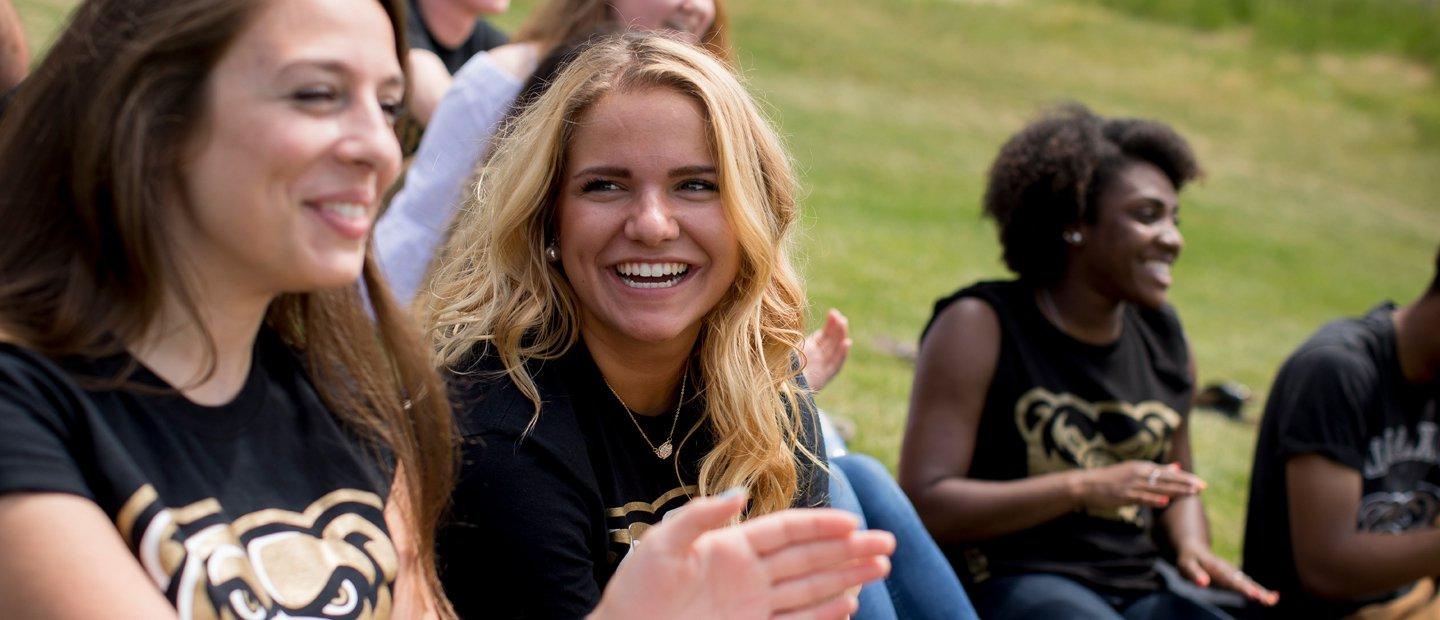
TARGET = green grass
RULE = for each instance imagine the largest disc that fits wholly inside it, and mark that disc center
(1410, 27)
(1324, 172)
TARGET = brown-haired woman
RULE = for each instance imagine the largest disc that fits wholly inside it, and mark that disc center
(200, 416)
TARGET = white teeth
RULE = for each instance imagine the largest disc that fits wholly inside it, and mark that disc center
(674, 271)
(345, 210)
(1158, 269)
(652, 270)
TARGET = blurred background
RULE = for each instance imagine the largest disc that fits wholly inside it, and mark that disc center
(1318, 122)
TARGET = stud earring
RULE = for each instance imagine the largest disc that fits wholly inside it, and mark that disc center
(1073, 237)
(552, 253)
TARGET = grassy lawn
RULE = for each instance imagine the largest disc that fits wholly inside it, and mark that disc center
(1324, 172)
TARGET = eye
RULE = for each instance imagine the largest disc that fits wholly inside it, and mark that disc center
(697, 185)
(1149, 213)
(316, 95)
(393, 109)
(599, 185)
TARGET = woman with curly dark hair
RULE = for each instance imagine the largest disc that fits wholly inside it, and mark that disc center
(1047, 432)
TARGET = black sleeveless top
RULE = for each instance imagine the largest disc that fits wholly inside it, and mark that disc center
(1057, 403)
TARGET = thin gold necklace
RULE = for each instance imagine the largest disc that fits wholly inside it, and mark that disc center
(667, 448)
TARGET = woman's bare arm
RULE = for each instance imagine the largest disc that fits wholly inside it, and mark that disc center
(412, 596)
(1189, 532)
(64, 560)
(957, 363)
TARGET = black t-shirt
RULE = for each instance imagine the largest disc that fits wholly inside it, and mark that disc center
(1056, 404)
(262, 506)
(543, 516)
(483, 38)
(1343, 396)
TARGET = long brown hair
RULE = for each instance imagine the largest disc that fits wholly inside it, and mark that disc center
(90, 157)
(561, 21)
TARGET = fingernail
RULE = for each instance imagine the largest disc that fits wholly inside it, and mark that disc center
(732, 492)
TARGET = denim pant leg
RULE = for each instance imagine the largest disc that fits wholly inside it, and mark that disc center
(1040, 596)
(922, 583)
(1165, 605)
(874, 598)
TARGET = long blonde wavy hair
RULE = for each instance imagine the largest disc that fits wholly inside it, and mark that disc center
(496, 289)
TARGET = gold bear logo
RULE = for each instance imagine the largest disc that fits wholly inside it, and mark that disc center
(1064, 432)
(333, 560)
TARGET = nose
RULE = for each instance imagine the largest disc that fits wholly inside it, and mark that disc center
(1171, 238)
(652, 222)
(368, 140)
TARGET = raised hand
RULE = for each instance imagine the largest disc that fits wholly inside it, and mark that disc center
(1136, 482)
(794, 565)
(826, 350)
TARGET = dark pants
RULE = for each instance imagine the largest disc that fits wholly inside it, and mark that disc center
(1048, 596)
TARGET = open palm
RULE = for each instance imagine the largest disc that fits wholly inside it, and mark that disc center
(795, 564)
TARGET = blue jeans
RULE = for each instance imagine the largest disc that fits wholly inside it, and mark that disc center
(921, 583)
(1047, 596)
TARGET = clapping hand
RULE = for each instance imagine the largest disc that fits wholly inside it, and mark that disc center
(794, 564)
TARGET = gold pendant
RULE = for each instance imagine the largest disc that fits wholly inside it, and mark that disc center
(664, 450)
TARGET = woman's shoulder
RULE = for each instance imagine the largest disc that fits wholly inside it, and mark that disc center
(487, 400)
(27, 373)
(983, 301)
(1162, 324)
(482, 394)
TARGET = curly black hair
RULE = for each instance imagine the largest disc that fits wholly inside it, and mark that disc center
(1047, 178)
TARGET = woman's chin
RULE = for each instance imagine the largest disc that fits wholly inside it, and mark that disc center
(334, 274)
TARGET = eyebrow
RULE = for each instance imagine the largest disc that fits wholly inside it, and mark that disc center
(684, 171)
(1151, 200)
(338, 68)
(624, 173)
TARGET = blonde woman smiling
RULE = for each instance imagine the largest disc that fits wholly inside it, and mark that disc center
(621, 324)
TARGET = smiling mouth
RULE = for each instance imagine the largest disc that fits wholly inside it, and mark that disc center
(350, 219)
(652, 275)
(1160, 270)
(348, 211)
